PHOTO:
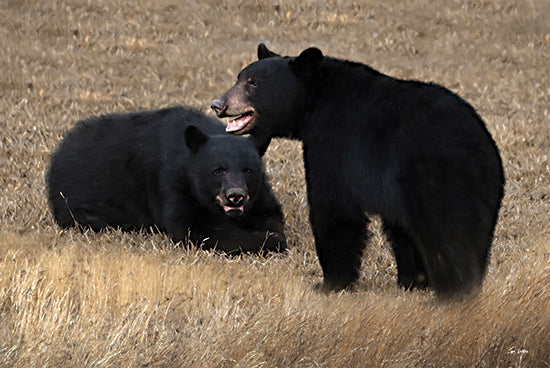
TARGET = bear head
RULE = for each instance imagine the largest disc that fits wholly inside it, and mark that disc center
(225, 171)
(268, 98)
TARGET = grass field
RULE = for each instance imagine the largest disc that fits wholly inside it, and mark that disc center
(72, 299)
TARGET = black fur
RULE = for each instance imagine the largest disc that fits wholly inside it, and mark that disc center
(415, 153)
(175, 170)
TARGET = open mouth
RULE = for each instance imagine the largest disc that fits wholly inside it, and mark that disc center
(233, 211)
(241, 124)
(228, 209)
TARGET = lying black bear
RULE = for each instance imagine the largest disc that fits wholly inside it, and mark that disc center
(414, 153)
(175, 170)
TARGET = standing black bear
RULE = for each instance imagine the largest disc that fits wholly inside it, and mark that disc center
(414, 153)
(173, 169)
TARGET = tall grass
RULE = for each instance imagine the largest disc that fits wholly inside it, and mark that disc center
(81, 299)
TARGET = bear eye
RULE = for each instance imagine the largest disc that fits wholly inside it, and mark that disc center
(251, 82)
(247, 170)
(219, 171)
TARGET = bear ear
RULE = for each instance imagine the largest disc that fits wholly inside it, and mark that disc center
(194, 138)
(307, 63)
(264, 52)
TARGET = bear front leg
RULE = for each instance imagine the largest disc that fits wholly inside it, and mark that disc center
(339, 241)
(268, 218)
(231, 238)
(411, 272)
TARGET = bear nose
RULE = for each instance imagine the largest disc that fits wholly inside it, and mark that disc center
(236, 196)
(218, 106)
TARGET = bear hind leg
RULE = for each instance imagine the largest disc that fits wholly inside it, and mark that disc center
(102, 215)
(453, 263)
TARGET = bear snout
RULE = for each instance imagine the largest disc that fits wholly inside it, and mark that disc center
(218, 106)
(232, 201)
(236, 197)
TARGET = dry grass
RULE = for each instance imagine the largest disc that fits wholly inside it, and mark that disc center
(129, 300)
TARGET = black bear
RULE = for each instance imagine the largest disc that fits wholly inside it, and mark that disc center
(174, 170)
(414, 153)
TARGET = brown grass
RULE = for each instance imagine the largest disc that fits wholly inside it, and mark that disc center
(127, 300)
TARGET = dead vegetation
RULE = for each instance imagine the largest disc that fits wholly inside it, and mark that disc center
(127, 300)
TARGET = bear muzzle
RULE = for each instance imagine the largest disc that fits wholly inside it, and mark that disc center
(233, 201)
(241, 119)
